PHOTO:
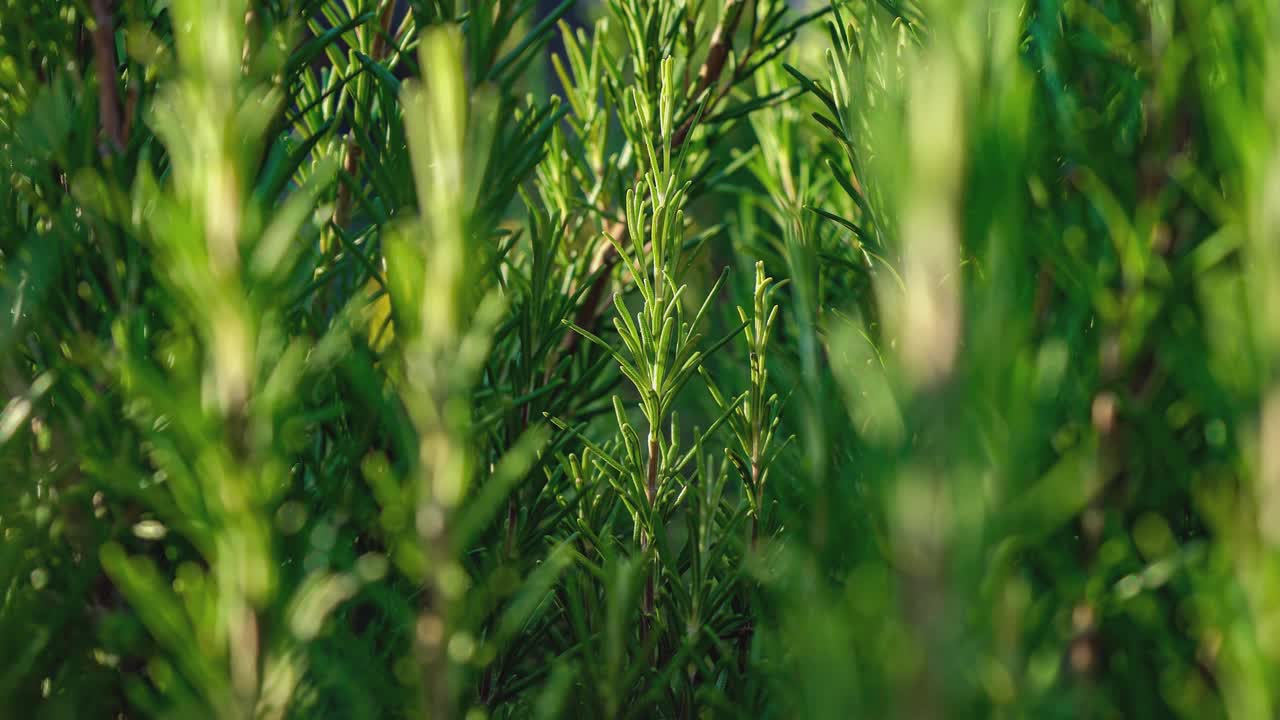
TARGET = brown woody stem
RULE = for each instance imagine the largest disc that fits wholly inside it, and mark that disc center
(104, 54)
(351, 160)
(712, 67)
(651, 492)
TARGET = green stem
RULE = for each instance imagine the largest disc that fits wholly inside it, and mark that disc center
(651, 491)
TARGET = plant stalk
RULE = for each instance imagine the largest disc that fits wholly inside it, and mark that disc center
(651, 491)
(105, 58)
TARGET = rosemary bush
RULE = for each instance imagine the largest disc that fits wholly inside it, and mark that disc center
(640, 359)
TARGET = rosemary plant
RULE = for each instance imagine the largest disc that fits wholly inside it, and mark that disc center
(425, 358)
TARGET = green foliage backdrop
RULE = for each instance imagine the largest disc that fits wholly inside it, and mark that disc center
(640, 359)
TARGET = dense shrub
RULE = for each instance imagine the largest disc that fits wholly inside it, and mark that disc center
(644, 359)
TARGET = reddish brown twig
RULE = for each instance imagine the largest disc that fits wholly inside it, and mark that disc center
(651, 493)
(351, 157)
(104, 55)
(606, 255)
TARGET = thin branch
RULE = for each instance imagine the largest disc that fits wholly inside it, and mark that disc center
(651, 492)
(712, 68)
(104, 54)
(351, 158)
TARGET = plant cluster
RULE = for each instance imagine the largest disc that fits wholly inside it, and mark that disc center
(639, 359)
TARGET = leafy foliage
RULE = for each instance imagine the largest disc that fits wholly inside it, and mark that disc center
(382, 358)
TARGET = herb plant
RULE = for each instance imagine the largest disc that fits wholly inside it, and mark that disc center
(639, 359)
